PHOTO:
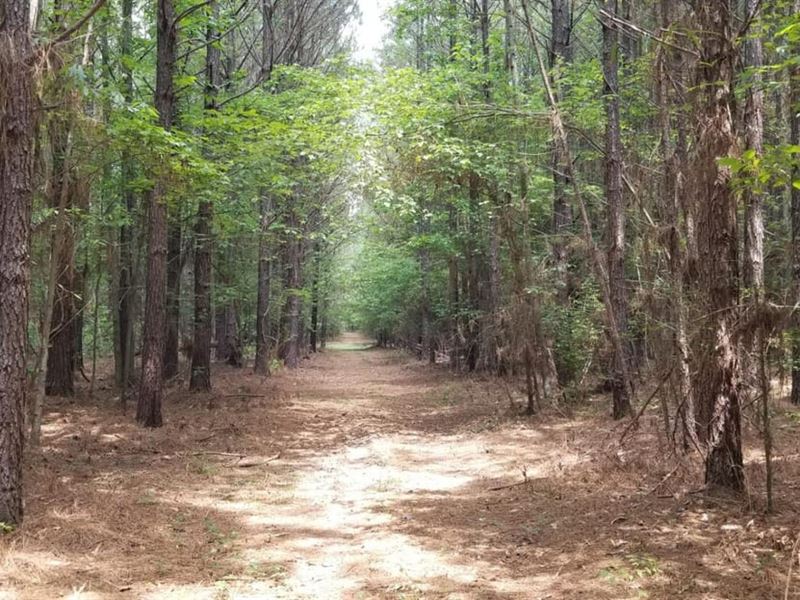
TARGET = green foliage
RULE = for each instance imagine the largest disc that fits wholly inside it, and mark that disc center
(386, 286)
(6, 529)
(575, 330)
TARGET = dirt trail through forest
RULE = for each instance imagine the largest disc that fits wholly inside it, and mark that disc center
(368, 475)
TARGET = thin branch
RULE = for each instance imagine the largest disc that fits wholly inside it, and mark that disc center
(67, 33)
(189, 11)
(641, 31)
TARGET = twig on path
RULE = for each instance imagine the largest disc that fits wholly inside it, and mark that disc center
(255, 461)
(242, 460)
(213, 453)
(240, 395)
(509, 486)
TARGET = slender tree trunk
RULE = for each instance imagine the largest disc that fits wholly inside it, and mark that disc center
(59, 365)
(123, 366)
(716, 384)
(616, 209)
(232, 339)
(323, 329)
(81, 280)
(428, 351)
(794, 135)
(17, 126)
(754, 138)
(454, 299)
(453, 296)
(561, 56)
(294, 301)
(59, 380)
(753, 263)
(148, 410)
(484, 26)
(39, 379)
(510, 45)
(472, 281)
(267, 39)
(201, 345)
(315, 299)
(263, 346)
(491, 334)
(174, 272)
(672, 191)
(599, 262)
(222, 350)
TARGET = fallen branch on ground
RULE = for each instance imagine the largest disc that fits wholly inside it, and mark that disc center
(213, 453)
(253, 461)
(509, 486)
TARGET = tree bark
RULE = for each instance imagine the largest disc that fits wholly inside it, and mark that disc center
(174, 272)
(200, 380)
(59, 379)
(672, 192)
(616, 210)
(716, 383)
(261, 365)
(80, 282)
(294, 301)
(59, 191)
(313, 336)
(148, 410)
(472, 281)
(17, 126)
(794, 135)
(754, 139)
(454, 299)
(428, 351)
(123, 366)
(560, 56)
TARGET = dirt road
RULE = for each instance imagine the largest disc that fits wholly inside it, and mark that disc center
(367, 475)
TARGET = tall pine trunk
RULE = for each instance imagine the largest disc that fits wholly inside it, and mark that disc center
(174, 272)
(294, 312)
(17, 131)
(313, 334)
(261, 365)
(672, 191)
(148, 410)
(753, 270)
(616, 209)
(716, 382)
(59, 379)
(200, 379)
(560, 57)
(125, 287)
(794, 135)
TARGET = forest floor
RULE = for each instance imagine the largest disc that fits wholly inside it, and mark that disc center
(366, 474)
